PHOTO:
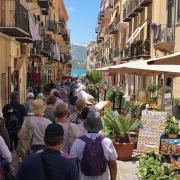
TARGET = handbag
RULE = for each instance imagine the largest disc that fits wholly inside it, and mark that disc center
(24, 145)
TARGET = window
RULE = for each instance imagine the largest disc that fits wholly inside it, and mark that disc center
(178, 11)
(170, 13)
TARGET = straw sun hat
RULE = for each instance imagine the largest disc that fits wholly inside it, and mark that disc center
(38, 106)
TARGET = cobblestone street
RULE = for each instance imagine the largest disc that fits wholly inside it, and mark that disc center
(127, 170)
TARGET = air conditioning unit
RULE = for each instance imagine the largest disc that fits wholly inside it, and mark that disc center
(25, 50)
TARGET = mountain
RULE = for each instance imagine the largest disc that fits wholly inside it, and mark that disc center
(79, 56)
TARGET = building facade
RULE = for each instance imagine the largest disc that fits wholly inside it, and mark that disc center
(138, 29)
(35, 45)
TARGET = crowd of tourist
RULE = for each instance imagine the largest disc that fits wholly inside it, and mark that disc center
(59, 137)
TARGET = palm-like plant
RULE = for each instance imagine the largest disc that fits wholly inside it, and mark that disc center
(118, 128)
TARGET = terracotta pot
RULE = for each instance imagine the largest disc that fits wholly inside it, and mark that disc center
(124, 150)
(173, 136)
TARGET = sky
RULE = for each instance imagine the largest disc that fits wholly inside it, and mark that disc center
(82, 19)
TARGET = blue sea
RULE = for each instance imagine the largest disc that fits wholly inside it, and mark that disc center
(78, 72)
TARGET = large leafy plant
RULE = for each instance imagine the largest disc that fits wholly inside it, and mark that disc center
(118, 128)
(94, 77)
(152, 167)
(172, 125)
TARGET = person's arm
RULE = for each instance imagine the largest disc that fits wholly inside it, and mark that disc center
(4, 151)
(113, 169)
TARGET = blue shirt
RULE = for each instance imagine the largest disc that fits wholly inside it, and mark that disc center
(57, 167)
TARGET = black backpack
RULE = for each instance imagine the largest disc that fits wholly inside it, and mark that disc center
(13, 124)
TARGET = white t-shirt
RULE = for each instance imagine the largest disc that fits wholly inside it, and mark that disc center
(71, 132)
(39, 125)
(109, 153)
(4, 151)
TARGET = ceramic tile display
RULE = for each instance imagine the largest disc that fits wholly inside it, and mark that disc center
(153, 125)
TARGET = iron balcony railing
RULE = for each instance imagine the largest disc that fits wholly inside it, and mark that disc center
(132, 7)
(52, 26)
(163, 38)
(14, 16)
(43, 3)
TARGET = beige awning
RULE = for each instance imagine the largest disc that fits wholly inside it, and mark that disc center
(173, 59)
(113, 16)
(102, 69)
(136, 32)
(141, 67)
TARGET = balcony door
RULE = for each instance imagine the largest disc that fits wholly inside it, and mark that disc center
(170, 11)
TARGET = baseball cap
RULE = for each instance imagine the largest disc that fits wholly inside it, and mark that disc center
(30, 95)
(54, 130)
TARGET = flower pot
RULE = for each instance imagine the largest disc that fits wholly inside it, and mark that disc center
(124, 150)
(176, 111)
(173, 136)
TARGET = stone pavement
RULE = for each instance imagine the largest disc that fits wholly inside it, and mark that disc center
(127, 170)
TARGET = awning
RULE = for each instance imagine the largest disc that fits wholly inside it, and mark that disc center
(32, 26)
(141, 67)
(173, 59)
(102, 69)
(55, 52)
(113, 16)
(136, 32)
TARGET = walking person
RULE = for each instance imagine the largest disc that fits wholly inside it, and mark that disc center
(37, 123)
(5, 160)
(14, 114)
(3, 131)
(71, 131)
(94, 152)
(76, 116)
(49, 164)
(30, 99)
(50, 108)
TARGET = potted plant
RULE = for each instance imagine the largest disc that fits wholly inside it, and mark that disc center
(153, 167)
(152, 88)
(176, 108)
(172, 127)
(118, 129)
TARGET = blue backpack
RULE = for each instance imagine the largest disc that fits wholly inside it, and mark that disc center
(93, 162)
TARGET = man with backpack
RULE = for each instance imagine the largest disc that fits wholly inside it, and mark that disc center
(94, 152)
(49, 163)
(14, 113)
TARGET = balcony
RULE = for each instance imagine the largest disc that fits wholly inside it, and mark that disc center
(130, 7)
(112, 29)
(138, 49)
(163, 39)
(45, 11)
(14, 20)
(43, 3)
(136, 6)
(52, 26)
(126, 18)
(145, 3)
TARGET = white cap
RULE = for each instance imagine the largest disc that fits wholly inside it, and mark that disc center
(30, 95)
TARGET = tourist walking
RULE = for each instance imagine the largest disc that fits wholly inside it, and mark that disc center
(37, 123)
(5, 160)
(3, 131)
(76, 116)
(14, 114)
(94, 152)
(49, 164)
(58, 100)
(30, 99)
(71, 131)
(50, 108)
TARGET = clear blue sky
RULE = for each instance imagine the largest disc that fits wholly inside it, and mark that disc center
(82, 19)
